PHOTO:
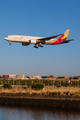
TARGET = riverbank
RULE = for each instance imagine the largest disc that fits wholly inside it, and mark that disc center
(47, 97)
(40, 100)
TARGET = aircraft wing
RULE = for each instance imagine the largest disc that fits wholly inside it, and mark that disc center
(48, 38)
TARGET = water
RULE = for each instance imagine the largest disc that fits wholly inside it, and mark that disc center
(14, 113)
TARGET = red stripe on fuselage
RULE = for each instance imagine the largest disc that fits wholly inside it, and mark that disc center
(58, 40)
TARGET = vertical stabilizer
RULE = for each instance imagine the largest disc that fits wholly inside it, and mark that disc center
(62, 37)
(66, 34)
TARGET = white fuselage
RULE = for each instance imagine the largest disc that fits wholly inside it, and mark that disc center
(26, 39)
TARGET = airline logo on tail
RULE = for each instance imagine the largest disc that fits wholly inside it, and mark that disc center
(62, 38)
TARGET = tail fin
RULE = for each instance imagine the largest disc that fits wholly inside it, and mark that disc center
(65, 34)
(62, 38)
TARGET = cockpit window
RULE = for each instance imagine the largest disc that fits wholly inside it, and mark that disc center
(6, 36)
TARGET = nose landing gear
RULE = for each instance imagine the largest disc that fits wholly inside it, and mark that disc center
(9, 42)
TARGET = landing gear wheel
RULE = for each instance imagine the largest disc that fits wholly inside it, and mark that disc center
(35, 46)
(9, 42)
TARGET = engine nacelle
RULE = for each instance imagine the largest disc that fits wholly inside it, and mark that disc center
(25, 43)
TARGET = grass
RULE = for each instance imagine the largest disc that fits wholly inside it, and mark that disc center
(70, 91)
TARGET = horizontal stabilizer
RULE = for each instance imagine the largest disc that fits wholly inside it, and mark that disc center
(68, 40)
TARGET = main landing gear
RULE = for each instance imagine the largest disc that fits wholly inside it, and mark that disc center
(35, 46)
(39, 45)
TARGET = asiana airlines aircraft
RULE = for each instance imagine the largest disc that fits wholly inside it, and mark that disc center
(39, 41)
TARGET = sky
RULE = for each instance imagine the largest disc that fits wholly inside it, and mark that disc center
(41, 18)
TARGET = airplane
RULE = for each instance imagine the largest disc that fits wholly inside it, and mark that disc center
(39, 41)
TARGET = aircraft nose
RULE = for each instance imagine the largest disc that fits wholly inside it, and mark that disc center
(6, 38)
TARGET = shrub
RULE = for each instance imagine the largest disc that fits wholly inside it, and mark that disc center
(54, 93)
(58, 85)
(28, 83)
(67, 93)
(7, 85)
(37, 86)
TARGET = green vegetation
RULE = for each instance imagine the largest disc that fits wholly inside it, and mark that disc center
(58, 85)
(7, 85)
(37, 86)
(29, 83)
(55, 83)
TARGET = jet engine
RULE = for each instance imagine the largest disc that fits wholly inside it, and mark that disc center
(25, 43)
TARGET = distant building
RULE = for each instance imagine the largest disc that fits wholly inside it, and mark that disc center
(20, 76)
(11, 76)
(5, 76)
(34, 77)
